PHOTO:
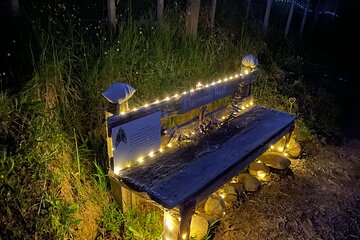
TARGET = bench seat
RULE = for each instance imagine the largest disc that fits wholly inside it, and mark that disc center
(195, 170)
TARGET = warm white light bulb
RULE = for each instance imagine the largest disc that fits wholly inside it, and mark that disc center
(272, 146)
(167, 99)
(140, 159)
(246, 72)
(281, 149)
(169, 145)
(151, 154)
(161, 150)
(237, 75)
(184, 236)
(122, 113)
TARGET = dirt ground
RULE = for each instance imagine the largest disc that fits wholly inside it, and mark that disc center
(317, 198)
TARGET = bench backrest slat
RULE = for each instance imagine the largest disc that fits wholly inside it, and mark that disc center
(186, 102)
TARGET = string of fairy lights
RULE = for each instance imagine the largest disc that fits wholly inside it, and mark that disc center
(310, 10)
(198, 87)
(170, 145)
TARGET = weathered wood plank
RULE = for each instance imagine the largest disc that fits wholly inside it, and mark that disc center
(210, 162)
(185, 103)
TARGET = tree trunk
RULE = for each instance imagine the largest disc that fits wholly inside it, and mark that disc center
(160, 10)
(304, 18)
(192, 18)
(316, 15)
(248, 9)
(111, 13)
(288, 23)
(212, 14)
(267, 14)
(15, 7)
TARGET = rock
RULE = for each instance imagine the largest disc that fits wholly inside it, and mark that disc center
(199, 227)
(229, 194)
(239, 187)
(214, 206)
(258, 168)
(250, 182)
(294, 148)
(275, 160)
(279, 145)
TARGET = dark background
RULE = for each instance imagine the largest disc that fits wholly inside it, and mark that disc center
(329, 48)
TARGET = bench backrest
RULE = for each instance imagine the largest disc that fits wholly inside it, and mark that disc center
(136, 134)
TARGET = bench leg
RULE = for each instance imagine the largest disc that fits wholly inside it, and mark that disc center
(287, 140)
(171, 226)
(186, 213)
(126, 198)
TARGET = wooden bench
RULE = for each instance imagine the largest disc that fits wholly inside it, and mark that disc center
(178, 167)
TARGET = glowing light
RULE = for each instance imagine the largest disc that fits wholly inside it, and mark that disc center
(168, 221)
(207, 85)
(169, 145)
(241, 75)
(116, 170)
(261, 174)
(184, 93)
(247, 105)
(146, 105)
(222, 196)
(213, 83)
(223, 117)
(281, 149)
(151, 154)
(113, 149)
(167, 99)
(286, 154)
(237, 75)
(184, 236)
(287, 145)
(135, 109)
(258, 161)
(251, 103)
(225, 80)
(122, 113)
(221, 80)
(246, 72)
(243, 107)
(199, 85)
(272, 146)
(128, 165)
(161, 150)
(231, 77)
(192, 90)
(157, 101)
(140, 159)
(224, 213)
(176, 95)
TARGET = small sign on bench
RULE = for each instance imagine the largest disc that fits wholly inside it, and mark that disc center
(134, 139)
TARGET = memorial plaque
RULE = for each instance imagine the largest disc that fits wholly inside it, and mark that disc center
(135, 139)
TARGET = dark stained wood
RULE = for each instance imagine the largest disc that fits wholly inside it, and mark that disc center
(186, 212)
(188, 102)
(196, 170)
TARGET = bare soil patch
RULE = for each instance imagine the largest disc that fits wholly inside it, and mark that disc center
(317, 198)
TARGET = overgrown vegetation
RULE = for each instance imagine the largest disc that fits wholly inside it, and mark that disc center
(53, 182)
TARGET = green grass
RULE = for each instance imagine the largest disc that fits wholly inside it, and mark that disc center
(53, 163)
